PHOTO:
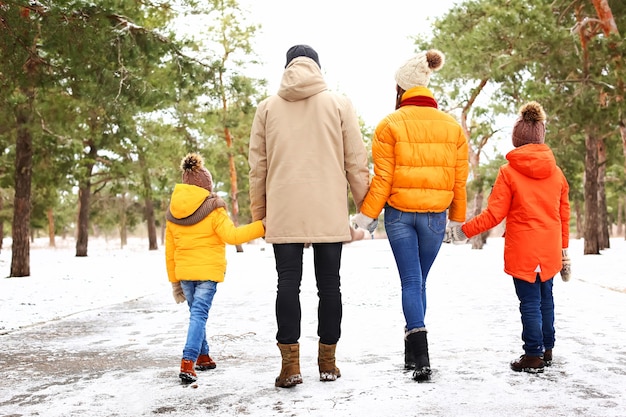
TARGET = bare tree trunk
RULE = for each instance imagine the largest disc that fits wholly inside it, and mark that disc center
(580, 221)
(123, 226)
(622, 130)
(620, 216)
(148, 204)
(479, 240)
(474, 160)
(1, 222)
(84, 199)
(20, 254)
(603, 221)
(591, 226)
(606, 16)
(609, 27)
(150, 220)
(82, 239)
(234, 204)
(51, 242)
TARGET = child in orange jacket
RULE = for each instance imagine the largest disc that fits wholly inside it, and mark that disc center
(531, 192)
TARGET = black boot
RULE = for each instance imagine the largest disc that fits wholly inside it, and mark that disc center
(409, 358)
(419, 346)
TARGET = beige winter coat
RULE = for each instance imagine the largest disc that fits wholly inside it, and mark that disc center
(306, 148)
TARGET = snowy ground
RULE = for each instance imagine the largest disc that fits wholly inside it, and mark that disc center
(101, 336)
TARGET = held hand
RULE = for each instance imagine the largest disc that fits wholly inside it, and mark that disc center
(177, 292)
(566, 268)
(364, 222)
(373, 226)
(356, 234)
(454, 233)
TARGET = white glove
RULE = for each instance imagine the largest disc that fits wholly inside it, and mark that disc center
(454, 233)
(364, 222)
(177, 292)
(566, 269)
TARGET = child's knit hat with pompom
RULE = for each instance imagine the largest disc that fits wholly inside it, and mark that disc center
(194, 172)
(530, 126)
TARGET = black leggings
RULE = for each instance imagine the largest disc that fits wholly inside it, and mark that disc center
(327, 261)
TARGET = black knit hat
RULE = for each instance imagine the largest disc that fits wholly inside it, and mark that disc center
(302, 50)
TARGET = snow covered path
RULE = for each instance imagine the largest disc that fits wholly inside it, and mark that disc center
(101, 336)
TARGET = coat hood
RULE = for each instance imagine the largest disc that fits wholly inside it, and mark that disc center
(190, 204)
(302, 79)
(533, 160)
(186, 199)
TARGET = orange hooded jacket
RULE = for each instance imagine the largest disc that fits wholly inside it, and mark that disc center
(531, 192)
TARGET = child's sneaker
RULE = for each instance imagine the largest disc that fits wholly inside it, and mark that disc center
(530, 364)
(204, 363)
(187, 375)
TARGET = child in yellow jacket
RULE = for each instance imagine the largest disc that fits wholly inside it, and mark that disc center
(197, 230)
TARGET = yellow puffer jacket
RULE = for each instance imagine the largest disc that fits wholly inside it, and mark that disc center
(420, 162)
(197, 252)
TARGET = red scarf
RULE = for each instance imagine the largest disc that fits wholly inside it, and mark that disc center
(422, 101)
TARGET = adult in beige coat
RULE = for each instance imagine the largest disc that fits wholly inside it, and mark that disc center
(306, 149)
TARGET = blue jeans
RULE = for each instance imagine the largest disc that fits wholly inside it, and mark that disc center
(536, 305)
(327, 262)
(415, 240)
(199, 295)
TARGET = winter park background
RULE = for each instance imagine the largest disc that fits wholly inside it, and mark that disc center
(102, 336)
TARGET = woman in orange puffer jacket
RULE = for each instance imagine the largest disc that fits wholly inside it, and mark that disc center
(421, 165)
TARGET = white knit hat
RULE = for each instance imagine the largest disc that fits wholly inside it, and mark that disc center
(417, 70)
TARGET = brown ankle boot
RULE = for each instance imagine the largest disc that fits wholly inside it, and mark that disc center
(290, 372)
(547, 357)
(187, 374)
(530, 364)
(326, 362)
(204, 363)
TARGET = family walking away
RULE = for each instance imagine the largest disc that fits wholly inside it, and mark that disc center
(307, 156)
(306, 150)
(421, 166)
(198, 228)
(531, 193)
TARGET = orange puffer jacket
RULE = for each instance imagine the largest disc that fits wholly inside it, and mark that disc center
(531, 192)
(420, 162)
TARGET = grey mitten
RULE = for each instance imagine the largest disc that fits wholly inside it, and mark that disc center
(454, 233)
(566, 268)
(177, 292)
